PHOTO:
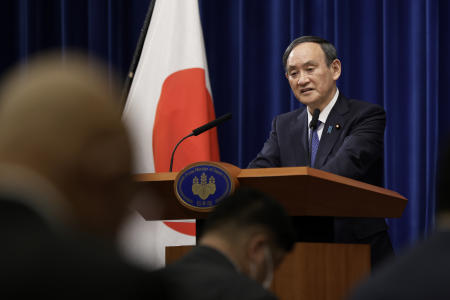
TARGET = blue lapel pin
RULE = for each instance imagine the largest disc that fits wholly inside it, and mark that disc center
(329, 129)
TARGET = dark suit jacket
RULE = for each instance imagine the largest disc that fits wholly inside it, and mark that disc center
(351, 145)
(206, 274)
(421, 273)
(45, 262)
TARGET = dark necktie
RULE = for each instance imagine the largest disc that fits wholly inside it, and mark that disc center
(314, 144)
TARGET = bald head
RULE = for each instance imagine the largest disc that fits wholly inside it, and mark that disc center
(41, 104)
(62, 120)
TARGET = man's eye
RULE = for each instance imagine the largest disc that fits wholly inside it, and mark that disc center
(293, 74)
(310, 69)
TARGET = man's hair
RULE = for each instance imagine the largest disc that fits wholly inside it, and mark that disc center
(443, 180)
(247, 208)
(328, 49)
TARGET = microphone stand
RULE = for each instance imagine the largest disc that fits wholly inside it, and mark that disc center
(198, 131)
(176, 146)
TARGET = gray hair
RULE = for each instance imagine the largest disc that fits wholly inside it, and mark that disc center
(328, 49)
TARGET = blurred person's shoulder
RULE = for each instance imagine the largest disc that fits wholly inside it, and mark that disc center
(419, 273)
(205, 273)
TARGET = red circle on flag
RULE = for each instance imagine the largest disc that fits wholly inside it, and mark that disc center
(182, 227)
(185, 104)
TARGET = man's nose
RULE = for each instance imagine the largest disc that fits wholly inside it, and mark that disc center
(303, 79)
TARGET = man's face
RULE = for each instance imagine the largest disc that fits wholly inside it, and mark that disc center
(311, 79)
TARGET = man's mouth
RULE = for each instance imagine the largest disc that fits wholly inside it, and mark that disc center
(305, 90)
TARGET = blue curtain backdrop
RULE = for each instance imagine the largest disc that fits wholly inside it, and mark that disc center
(393, 52)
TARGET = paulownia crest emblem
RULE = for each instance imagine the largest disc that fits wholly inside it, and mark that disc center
(204, 188)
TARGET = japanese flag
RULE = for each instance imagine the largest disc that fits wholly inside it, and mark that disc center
(169, 96)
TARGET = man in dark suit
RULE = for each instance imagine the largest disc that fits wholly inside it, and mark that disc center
(333, 133)
(421, 272)
(42, 260)
(243, 241)
(65, 185)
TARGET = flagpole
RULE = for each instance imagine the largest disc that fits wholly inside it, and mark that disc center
(137, 53)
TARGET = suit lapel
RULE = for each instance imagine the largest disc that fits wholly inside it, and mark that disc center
(330, 134)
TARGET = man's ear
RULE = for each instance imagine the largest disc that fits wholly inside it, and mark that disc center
(256, 246)
(336, 69)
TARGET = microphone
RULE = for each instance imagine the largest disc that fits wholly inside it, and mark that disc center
(211, 124)
(315, 118)
(200, 130)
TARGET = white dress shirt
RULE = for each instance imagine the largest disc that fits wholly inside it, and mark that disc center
(323, 115)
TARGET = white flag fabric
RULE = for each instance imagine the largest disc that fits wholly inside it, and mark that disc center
(169, 96)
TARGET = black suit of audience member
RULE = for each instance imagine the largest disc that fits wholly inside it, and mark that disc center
(205, 273)
(422, 272)
(244, 239)
(50, 263)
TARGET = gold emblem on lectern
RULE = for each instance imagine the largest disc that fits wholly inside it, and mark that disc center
(203, 189)
(202, 185)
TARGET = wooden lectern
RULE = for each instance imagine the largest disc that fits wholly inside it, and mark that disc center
(312, 270)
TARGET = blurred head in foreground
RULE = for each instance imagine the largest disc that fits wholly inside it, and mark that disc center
(253, 231)
(61, 120)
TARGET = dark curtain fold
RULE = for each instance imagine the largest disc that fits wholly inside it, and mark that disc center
(107, 29)
(393, 52)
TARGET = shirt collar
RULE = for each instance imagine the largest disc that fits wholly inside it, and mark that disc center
(323, 116)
